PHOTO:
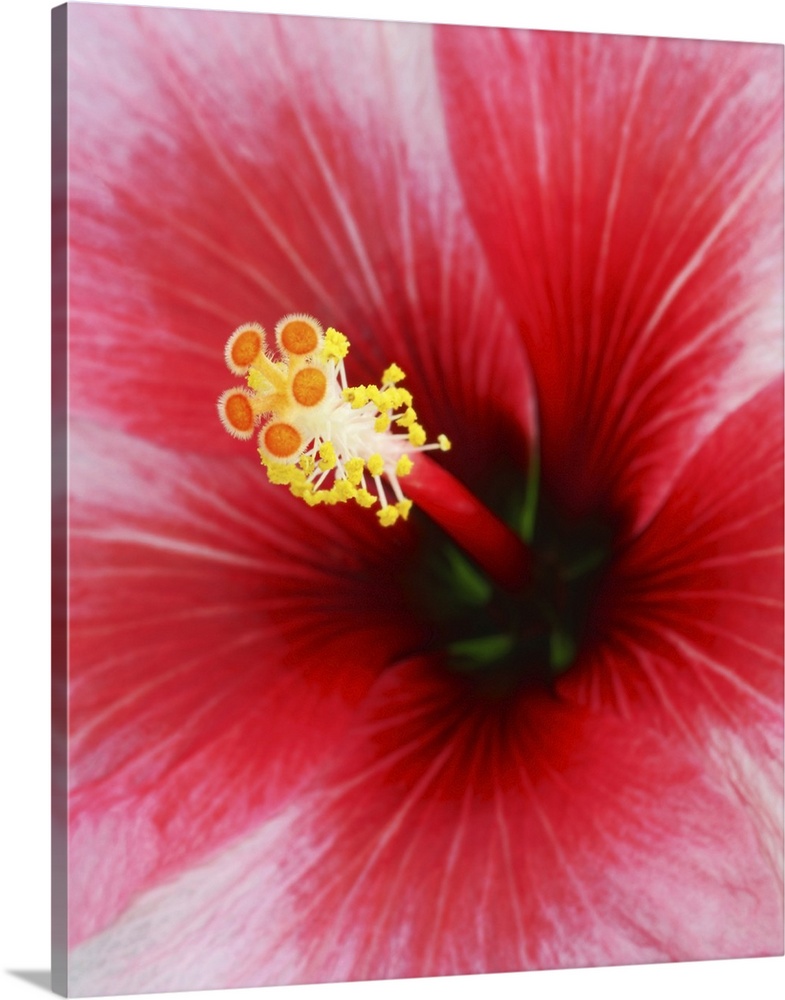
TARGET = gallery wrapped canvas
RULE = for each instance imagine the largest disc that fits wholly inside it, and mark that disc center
(462, 651)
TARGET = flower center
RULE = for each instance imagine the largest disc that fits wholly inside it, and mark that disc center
(510, 603)
(328, 441)
(503, 640)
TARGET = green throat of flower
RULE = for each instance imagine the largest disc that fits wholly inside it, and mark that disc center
(504, 639)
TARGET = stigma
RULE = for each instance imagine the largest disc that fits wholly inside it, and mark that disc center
(328, 441)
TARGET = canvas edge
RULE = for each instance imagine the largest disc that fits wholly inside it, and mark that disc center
(59, 509)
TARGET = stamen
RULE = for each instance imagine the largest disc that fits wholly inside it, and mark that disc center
(334, 431)
(322, 437)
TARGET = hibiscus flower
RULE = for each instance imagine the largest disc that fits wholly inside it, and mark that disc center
(304, 746)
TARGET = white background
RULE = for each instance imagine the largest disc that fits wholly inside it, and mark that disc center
(24, 491)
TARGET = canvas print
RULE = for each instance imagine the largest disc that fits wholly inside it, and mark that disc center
(418, 515)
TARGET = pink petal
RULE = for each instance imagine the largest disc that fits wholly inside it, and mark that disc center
(218, 647)
(231, 168)
(628, 192)
(453, 836)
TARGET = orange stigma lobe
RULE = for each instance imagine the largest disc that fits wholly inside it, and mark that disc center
(282, 440)
(239, 413)
(246, 347)
(298, 336)
(243, 348)
(309, 386)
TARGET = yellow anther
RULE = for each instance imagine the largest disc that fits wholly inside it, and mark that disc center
(382, 423)
(444, 442)
(364, 498)
(376, 464)
(327, 459)
(399, 397)
(403, 507)
(307, 464)
(344, 490)
(388, 516)
(408, 419)
(390, 399)
(417, 435)
(280, 474)
(393, 374)
(288, 475)
(356, 395)
(354, 471)
(336, 346)
(299, 487)
(404, 466)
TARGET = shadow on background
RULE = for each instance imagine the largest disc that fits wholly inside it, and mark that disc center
(38, 977)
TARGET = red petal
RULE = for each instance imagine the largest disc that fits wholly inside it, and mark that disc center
(687, 634)
(222, 634)
(228, 168)
(628, 192)
(454, 836)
